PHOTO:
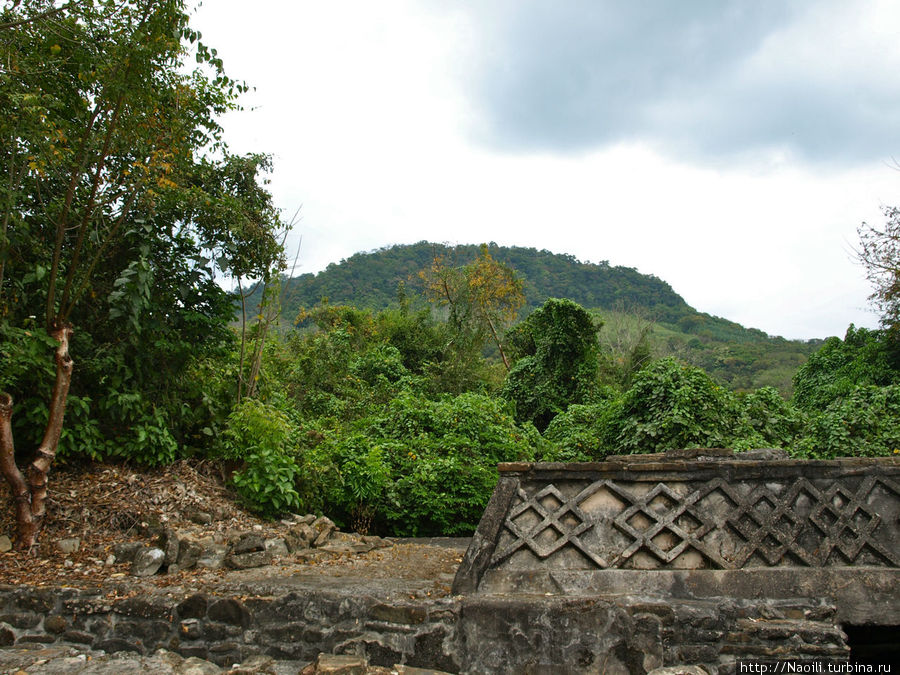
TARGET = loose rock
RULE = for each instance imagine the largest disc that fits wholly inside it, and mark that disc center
(70, 545)
(147, 562)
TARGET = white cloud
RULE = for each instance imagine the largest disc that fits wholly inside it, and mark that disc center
(367, 111)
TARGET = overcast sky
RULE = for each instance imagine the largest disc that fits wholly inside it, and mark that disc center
(731, 148)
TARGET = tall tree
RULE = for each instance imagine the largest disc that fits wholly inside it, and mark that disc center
(557, 364)
(111, 164)
(483, 297)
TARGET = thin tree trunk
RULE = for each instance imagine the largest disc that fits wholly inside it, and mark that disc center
(31, 495)
(497, 340)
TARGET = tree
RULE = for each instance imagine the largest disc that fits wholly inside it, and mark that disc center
(861, 359)
(558, 361)
(879, 252)
(483, 296)
(116, 187)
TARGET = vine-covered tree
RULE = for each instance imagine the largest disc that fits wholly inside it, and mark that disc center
(558, 361)
(116, 191)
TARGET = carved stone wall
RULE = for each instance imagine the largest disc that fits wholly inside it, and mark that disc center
(684, 512)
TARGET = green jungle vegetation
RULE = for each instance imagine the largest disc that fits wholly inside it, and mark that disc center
(634, 308)
(382, 391)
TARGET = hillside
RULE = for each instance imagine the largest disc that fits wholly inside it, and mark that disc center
(372, 279)
(630, 303)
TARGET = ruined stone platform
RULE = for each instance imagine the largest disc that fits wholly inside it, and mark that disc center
(695, 558)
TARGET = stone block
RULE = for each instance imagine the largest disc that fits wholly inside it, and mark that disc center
(7, 635)
(143, 607)
(213, 556)
(243, 561)
(147, 562)
(276, 547)
(23, 620)
(230, 611)
(68, 545)
(55, 624)
(126, 551)
(341, 664)
(118, 644)
(193, 607)
(248, 543)
(189, 553)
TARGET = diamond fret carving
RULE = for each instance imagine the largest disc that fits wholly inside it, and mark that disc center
(656, 513)
(798, 525)
(768, 525)
(848, 523)
(554, 529)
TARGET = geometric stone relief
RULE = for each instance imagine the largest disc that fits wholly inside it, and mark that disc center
(682, 524)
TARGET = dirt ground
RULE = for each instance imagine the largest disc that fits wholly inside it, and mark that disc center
(103, 505)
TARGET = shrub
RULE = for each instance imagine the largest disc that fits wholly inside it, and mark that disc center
(420, 467)
(674, 405)
(865, 423)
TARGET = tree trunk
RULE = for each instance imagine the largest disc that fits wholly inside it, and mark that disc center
(30, 495)
(497, 340)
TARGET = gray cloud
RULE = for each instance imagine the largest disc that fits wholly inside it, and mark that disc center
(687, 76)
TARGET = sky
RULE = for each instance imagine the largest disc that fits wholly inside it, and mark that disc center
(731, 148)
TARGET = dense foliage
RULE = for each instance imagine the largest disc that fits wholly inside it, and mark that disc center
(627, 301)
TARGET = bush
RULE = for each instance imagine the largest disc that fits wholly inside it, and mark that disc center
(865, 423)
(770, 421)
(420, 467)
(673, 405)
(263, 437)
(558, 363)
(584, 433)
(862, 358)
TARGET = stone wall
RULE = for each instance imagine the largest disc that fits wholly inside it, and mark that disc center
(614, 635)
(704, 523)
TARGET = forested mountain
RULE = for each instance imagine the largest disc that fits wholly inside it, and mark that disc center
(371, 279)
(639, 311)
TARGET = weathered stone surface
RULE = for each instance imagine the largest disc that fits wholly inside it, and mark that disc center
(118, 644)
(147, 562)
(229, 611)
(399, 613)
(68, 545)
(143, 607)
(679, 670)
(5, 544)
(338, 664)
(243, 561)
(126, 551)
(78, 637)
(249, 542)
